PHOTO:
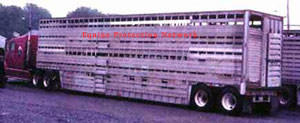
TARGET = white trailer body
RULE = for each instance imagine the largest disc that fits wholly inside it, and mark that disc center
(237, 49)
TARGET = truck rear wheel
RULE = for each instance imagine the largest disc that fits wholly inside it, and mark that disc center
(230, 101)
(51, 81)
(37, 80)
(202, 98)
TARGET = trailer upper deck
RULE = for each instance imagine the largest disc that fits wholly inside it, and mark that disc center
(156, 18)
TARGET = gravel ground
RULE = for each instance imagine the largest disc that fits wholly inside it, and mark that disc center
(20, 103)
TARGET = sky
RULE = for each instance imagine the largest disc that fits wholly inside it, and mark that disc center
(60, 8)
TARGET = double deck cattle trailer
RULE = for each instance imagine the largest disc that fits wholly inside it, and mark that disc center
(206, 59)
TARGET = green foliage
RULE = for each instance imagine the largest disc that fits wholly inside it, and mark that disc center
(11, 20)
(84, 12)
(16, 19)
(37, 13)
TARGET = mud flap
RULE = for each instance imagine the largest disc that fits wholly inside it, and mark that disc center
(274, 104)
(266, 108)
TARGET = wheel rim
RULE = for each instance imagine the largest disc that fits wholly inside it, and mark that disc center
(229, 101)
(35, 80)
(46, 82)
(201, 98)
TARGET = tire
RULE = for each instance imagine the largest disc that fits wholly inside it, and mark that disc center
(202, 98)
(51, 81)
(287, 97)
(230, 101)
(37, 79)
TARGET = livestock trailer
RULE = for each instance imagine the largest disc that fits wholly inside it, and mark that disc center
(290, 68)
(206, 59)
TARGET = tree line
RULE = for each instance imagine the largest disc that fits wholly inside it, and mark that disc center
(16, 19)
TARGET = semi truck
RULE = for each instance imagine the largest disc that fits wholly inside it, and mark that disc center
(224, 59)
(290, 68)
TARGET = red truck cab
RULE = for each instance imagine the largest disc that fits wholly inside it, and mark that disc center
(20, 56)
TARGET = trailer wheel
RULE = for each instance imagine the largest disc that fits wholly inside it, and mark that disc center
(287, 98)
(230, 101)
(37, 80)
(202, 98)
(51, 81)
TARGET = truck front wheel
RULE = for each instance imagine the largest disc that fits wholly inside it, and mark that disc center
(37, 79)
(230, 101)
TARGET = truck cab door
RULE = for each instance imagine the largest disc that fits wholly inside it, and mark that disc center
(15, 57)
(20, 54)
(10, 53)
